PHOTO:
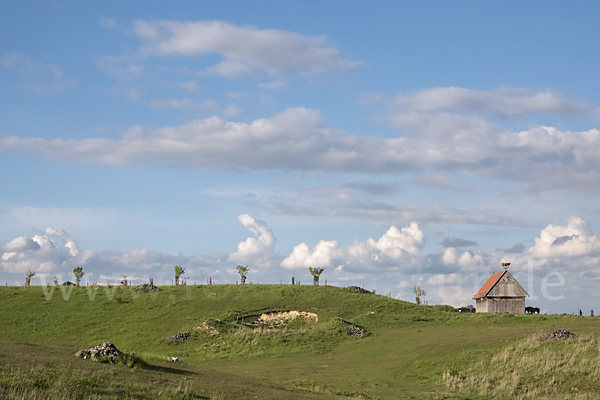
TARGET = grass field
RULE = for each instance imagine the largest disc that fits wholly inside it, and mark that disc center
(412, 351)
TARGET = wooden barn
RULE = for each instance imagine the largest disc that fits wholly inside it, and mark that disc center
(501, 294)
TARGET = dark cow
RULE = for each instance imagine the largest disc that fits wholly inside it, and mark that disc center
(532, 310)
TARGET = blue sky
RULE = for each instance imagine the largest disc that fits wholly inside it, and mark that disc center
(392, 143)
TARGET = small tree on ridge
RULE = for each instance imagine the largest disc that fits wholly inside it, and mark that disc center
(243, 271)
(78, 273)
(28, 277)
(179, 270)
(316, 273)
(420, 294)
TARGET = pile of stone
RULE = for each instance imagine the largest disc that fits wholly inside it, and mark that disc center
(180, 337)
(355, 331)
(147, 287)
(106, 349)
(559, 334)
(358, 289)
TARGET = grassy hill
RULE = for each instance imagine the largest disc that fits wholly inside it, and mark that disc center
(411, 351)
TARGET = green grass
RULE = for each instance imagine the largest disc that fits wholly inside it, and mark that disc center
(412, 352)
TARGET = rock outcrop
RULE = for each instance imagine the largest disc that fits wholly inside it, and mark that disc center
(355, 331)
(558, 334)
(180, 337)
(147, 287)
(358, 289)
(106, 349)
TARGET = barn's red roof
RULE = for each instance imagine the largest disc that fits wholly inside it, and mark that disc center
(488, 285)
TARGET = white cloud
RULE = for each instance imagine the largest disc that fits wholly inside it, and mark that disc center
(396, 249)
(244, 48)
(50, 250)
(467, 260)
(55, 251)
(258, 249)
(297, 139)
(505, 101)
(21, 243)
(321, 255)
(574, 240)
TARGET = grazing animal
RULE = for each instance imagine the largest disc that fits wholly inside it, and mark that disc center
(532, 310)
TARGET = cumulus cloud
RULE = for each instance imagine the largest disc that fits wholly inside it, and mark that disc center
(55, 251)
(396, 249)
(245, 49)
(51, 249)
(466, 260)
(576, 239)
(257, 249)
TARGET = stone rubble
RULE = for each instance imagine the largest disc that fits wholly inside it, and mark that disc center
(106, 349)
(355, 331)
(180, 337)
(558, 334)
(147, 287)
(358, 289)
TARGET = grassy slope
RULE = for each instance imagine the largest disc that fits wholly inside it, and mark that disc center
(411, 349)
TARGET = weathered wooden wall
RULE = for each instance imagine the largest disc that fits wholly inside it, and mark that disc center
(501, 305)
(507, 287)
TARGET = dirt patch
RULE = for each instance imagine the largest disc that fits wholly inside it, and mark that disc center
(558, 334)
(208, 327)
(275, 319)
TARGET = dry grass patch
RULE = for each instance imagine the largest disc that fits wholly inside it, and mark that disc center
(534, 368)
